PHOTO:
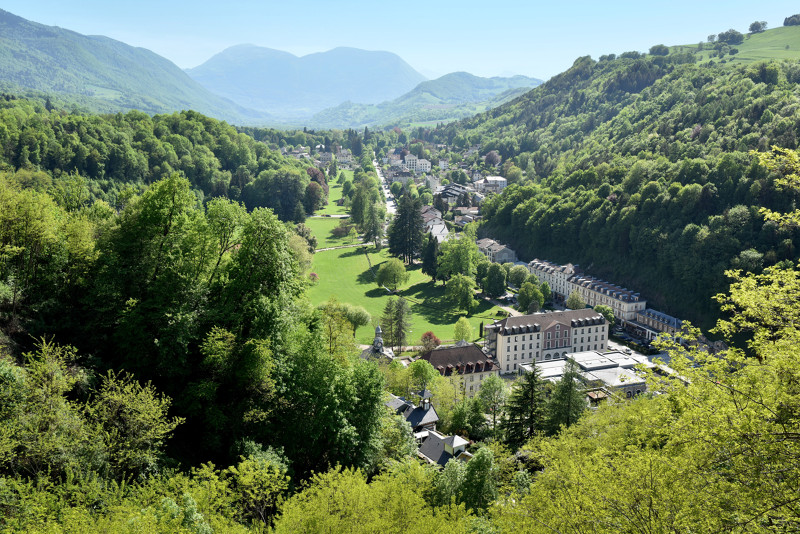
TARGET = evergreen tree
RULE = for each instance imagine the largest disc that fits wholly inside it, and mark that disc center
(406, 230)
(430, 251)
(493, 396)
(567, 402)
(524, 409)
(372, 224)
(402, 322)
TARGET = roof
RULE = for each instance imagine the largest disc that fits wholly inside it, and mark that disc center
(460, 359)
(432, 448)
(415, 415)
(539, 322)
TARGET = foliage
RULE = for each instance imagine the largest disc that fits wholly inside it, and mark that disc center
(462, 330)
(567, 401)
(575, 301)
(429, 341)
(460, 292)
(391, 274)
(517, 275)
(405, 231)
(492, 395)
(525, 409)
(529, 298)
(495, 282)
(606, 312)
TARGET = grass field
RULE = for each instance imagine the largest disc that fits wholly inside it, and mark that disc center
(322, 226)
(334, 194)
(768, 45)
(345, 274)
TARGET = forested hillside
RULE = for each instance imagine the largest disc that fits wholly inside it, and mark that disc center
(452, 96)
(640, 169)
(112, 153)
(101, 74)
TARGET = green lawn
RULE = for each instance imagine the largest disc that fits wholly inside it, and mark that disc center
(322, 226)
(345, 274)
(334, 194)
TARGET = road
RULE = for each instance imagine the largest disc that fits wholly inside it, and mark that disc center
(391, 206)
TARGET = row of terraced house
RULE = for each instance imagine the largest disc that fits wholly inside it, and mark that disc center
(630, 309)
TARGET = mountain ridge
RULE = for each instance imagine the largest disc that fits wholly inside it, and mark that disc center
(100, 72)
(247, 74)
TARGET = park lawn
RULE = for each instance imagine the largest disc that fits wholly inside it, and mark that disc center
(334, 194)
(321, 228)
(345, 274)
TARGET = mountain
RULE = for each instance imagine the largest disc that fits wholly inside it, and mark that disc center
(644, 169)
(283, 84)
(100, 73)
(453, 96)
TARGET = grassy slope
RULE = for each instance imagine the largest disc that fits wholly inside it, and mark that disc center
(322, 227)
(334, 194)
(768, 45)
(345, 274)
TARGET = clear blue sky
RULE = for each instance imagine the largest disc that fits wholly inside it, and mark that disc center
(486, 38)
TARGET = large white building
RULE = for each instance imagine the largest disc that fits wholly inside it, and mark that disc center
(545, 336)
(564, 279)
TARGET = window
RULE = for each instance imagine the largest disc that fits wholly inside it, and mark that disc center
(515, 348)
(523, 338)
(515, 339)
(547, 345)
(548, 335)
(537, 336)
(566, 333)
(506, 367)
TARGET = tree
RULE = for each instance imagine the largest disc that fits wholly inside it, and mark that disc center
(493, 396)
(525, 409)
(460, 292)
(659, 50)
(567, 402)
(336, 330)
(449, 483)
(457, 256)
(392, 274)
(429, 341)
(387, 322)
(517, 275)
(758, 26)
(606, 312)
(463, 330)
(430, 253)
(406, 230)
(358, 316)
(480, 487)
(529, 298)
(422, 374)
(396, 188)
(495, 282)
(731, 37)
(546, 293)
(467, 418)
(794, 20)
(372, 224)
(575, 301)
(395, 322)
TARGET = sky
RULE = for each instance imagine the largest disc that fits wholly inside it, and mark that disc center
(486, 38)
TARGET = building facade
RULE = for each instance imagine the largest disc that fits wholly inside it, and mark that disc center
(564, 279)
(466, 360)
(545, 336)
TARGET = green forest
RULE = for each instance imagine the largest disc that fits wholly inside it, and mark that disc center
(643, 170)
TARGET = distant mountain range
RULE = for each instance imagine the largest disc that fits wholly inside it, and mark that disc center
(245, 84)
(294, 87)
(452, 96)
(102, 74)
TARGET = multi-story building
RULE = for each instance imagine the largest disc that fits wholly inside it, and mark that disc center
(649, 323)
(491, 184)
(545, 336)
(556, 276)
(463, 359)
(444, 164)
(496, 252)
(564, 279)
(411, 162)
(423, 165)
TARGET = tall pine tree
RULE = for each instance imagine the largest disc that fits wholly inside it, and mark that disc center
(525, 409)
(406, 231)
